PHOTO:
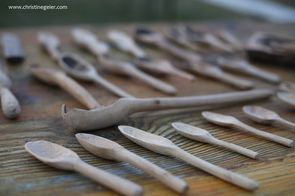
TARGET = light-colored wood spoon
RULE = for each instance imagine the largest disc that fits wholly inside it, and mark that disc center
(89, 41)
(9, 104)
(83, 120)
(164, 146)
(75, 66)
(242, 66)
(63, 158)
(202, 135)
(230, 121)
(111, 150)
(59, 78)
(265, 116)
(195, 63)
(288, 98)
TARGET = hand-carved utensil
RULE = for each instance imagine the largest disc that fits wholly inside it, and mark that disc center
(242, 66)
(265, 116)
(60, 157)
(83, 120)
(195, 63)
(111, 150)
(88, 40)
(76, 66)
(9, 104)
(164, 146)
(202, 135)
(158, 66)
(230, 121)
(55, 77)
(12, 48)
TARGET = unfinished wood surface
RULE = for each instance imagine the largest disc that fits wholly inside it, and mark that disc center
(21, 174)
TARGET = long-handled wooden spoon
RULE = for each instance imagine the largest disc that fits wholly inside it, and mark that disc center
(164, 146)
(88, 40)
(158, 66)
(55, 77)
(111, 150)
(202, 135)
(230, 121)
(62, 158)
(9, 104)
(287, 97)
(75, 66)
(83, 120)
(242, 66)
(195, 63)
(265, 116)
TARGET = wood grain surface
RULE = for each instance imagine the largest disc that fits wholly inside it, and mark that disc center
(21, 174)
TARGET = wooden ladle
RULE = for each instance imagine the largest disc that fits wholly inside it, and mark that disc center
(62, 158)
(111, 150)
(265, 116)
(59, 78)
(202, 135)
(158, 66)
(75, 66)
(230, 121)
(195, 63)
(164, 146)
(83, 120)
(288, 98)
(88, 40)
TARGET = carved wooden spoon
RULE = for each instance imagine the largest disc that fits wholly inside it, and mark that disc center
(62, 158)
(55, 77)
(164, 146)
(202, 135)
(111, 150)
(158, 66)
(230, 121)
(265, 116)
(287, 97)
(83, 120)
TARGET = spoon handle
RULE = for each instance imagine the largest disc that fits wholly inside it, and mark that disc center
(9, 104)
(155, 171)
(109, 180)
(179, 73)
(76, 90)
(235, 148)
(286, 123)
(155, 83)
(265, 135)
(220, 172)
(111, 87)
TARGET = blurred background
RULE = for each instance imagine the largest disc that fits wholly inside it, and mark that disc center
(117, 11)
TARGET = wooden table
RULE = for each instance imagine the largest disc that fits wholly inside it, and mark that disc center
(21, 174)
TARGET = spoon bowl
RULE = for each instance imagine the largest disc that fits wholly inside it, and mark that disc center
(288, 98)
(220, 119)
(192, 132)
(52, 154)
(260, 114)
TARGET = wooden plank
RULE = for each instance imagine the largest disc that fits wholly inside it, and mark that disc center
(21, 174)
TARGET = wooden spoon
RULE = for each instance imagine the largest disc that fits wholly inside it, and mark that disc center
(111, 150)
(231, 39)
(164, 146)
(288, 98)
(55, 77)
(159, 66)
(202, 135)
(9, 104)
(82, 120)
(62, 158)
(88, 40)
(265, 116)
(242, 66)
(194, 60)
(230, 121)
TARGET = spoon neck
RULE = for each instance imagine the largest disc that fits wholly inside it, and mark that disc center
(285, 123)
